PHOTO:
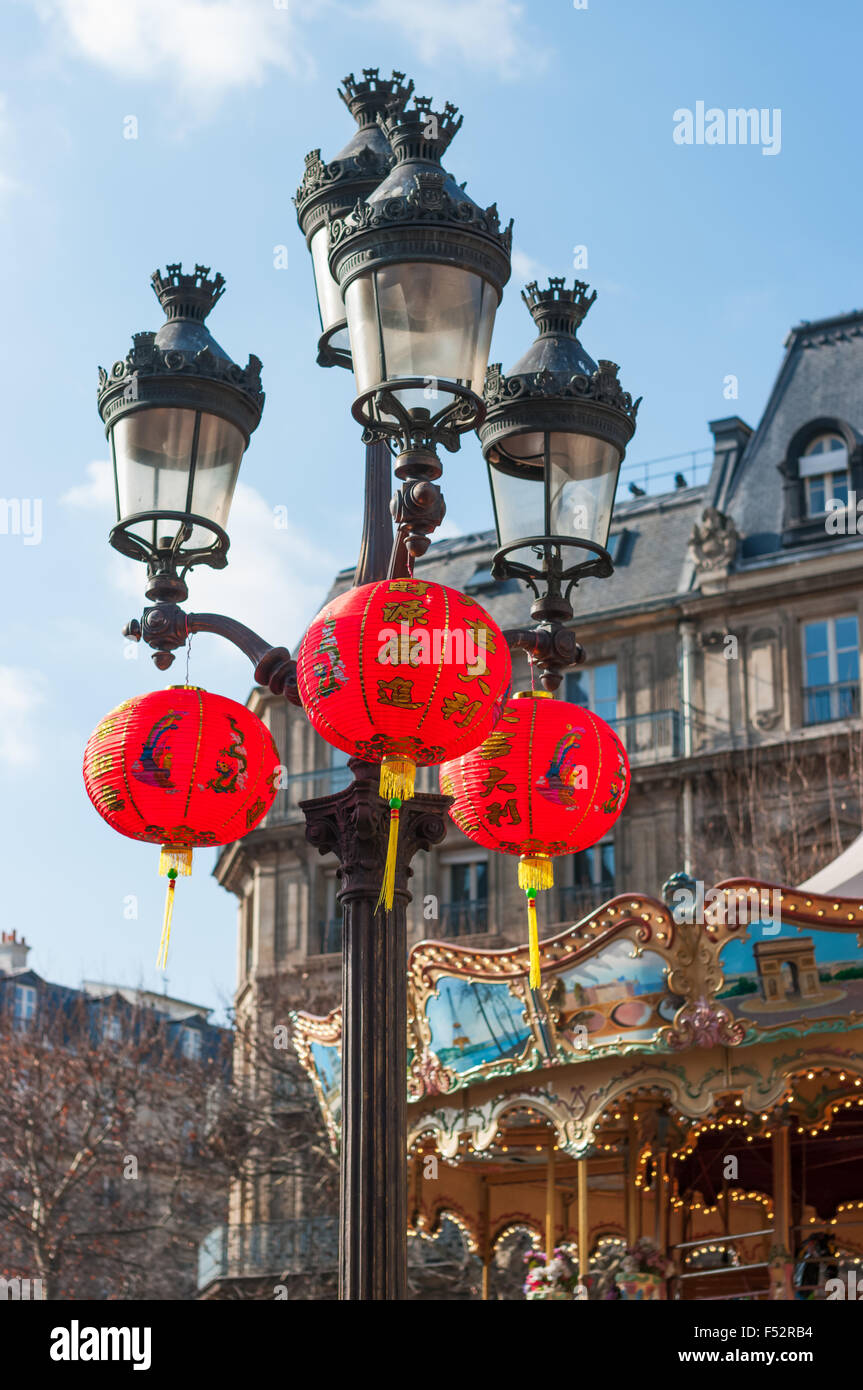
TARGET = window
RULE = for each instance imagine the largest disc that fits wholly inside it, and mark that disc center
(329, 932)
(591, 881)
(24, 1005)
(191, 1044)
(596, 688)
(831, 670)
(594, 867)
(341, 775)
(112, 1029)
(824, 468)
(468, 883)
(466, 907)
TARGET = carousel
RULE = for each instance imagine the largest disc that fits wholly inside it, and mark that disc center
(676, 1111)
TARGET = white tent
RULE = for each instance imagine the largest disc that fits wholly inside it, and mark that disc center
(843, 876)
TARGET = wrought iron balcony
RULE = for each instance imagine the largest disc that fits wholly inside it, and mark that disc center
(463, 918)
(277, 1248)
(824, 703)
(576, 900)
(650, 738)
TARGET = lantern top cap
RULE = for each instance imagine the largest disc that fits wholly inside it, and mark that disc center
(558, 309)
(374, 96)
(421, 133)
(187, 296)
(533, 695)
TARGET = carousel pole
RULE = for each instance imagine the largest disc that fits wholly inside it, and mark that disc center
(781, 1263)
(583, 1228)
(485, 1251)
(550, 1203)
(632, 1212)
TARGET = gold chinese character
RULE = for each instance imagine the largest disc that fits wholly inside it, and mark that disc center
(406, 611)
(499, 810)
(459, 704)
(397, 692)
(494, 779)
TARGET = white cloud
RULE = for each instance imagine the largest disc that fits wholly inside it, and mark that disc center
(204, 47)
(525, 268)
(97, 492)
(22, 692)
(482, 33)
(276, 577)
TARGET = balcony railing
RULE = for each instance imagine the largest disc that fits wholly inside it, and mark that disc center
(649, 738)
(575, 901)
(823, 703)
(326, 937)
(297, 1246)
(463, 918)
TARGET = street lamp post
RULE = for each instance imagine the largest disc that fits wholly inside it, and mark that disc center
(409, 272)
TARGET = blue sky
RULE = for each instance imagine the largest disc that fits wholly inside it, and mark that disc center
(703, 257)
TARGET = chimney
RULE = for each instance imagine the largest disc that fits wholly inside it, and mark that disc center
(730, 437)
(13, 952)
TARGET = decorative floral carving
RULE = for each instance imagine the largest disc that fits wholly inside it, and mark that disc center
(427, 200)
(602, 386)
(714, 540)
(145, 359)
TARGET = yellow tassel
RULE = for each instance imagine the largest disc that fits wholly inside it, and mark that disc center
(162, 956)
(174, 860)
(535, 871)
(533, 939)
(177, 857)
(388, 887)
(397, 779)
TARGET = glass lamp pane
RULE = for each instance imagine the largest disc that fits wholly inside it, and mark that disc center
(153, 453)
(519, 508)
(420, 320)
(582, 484)
(217, 464)
(330, 303)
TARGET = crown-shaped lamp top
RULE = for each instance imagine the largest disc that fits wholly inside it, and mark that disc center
(187, 296)
(421, 133)
(375, 96)
(558, 309)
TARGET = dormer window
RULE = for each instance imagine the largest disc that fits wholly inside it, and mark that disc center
(824, 470)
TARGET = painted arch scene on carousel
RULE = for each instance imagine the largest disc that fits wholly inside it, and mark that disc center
(675, 1112)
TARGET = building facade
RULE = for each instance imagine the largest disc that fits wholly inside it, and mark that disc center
(725, 651)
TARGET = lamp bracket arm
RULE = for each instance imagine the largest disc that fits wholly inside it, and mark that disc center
(165, 627)
(552, 647)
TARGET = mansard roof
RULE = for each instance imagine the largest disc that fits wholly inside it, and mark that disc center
(821, 378)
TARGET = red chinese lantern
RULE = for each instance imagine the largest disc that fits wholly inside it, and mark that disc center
(181, 768)
(550, 779)
(404, 672)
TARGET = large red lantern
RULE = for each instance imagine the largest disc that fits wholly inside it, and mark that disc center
(404, 672)
(181, 768)
(550, 779)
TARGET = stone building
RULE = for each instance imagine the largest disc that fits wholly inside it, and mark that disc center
(725, 650)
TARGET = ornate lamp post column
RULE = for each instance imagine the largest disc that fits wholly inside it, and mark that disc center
(420, 268)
